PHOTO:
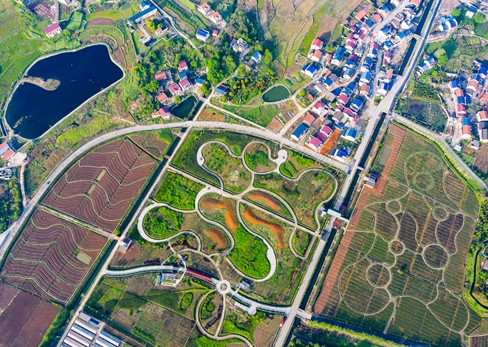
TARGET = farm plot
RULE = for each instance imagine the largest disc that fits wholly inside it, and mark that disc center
(155, 143)
(268, 201)
(52, 257)
(257, 159)
(101, 187)
(25, 318)
(211, 312)
(158, 315)
(259, 326)
(162, 223)
(407, 250)
(304, 195)
(231, 170)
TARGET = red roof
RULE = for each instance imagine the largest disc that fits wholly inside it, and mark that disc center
(343, 98)
(347, 111)
(466, 130)
(51, 28)
(174, 88)
(317, 42)
(3, 145)
(390, 74)
(461, 108)
(483, 99)
(161, 75)
(459, 92)
(360, 14)
(318, 104)
(8, 153)
(184, 82)
(309, 97)
(317, 54)
(326, 130)
(377, 18)
(309, 119)
(162, 97)
(473, 84)
(416, 2)
(483, 115)
(182, 64)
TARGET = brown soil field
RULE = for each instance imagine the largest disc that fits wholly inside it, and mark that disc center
(230, 216)
(265, 332)
(269, 200)
(36, 327)
(330, 144)
(100, 21)
(326, 28)
(16, 315)
(275, 125)
(217, 237)
(276, 228)
(481, 161)
(7, 294)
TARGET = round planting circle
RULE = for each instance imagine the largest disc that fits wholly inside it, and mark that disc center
(424, 181)
(396, 247)
(435, 256)
(378, 275)
(440, 213)
(394, 206)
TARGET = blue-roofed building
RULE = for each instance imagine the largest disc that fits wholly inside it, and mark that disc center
(466, 121)
(299, 132)
(144, 5)
(349, 134)
(221, 90)
(340, 155)
(388, 45)
(367, 65)
(202, 35)
(365, 77)
(337, 91)
(356, 105)
(200, 81)
(461, 100)
(182, 75)
(310, 71)
(352, 86)
(454, 85)
(328, 82)
(304, 69)
(257, 57)
(483, 71)
(347, 75)
(142, 16)
(338, 56)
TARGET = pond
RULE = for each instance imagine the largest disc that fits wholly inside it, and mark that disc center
(184, 108)
(32, 110)
(276, 94)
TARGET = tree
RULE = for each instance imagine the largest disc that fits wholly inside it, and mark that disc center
(177, 99)
(203, 89)
(302, 93)
(478, 17)
(268, 57)
(443, 60)
(456, 12)
(151, 25)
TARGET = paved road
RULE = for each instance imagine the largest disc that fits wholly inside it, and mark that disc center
(140, 269)
(12, 231)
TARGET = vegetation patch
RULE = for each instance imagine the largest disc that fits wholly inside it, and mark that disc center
(178, 191)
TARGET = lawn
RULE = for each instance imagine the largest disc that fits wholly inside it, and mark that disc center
(427, 113)
(261, 115)
(304, 196)
(178, 191)
(403, 247)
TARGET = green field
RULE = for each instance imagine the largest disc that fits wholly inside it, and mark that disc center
(407, 246)
(178, 191)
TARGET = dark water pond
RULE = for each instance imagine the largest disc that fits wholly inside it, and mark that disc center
(33, 110)
(276, 94)
(183, 109)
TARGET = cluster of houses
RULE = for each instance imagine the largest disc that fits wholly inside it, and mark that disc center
(211, 15)
(166, 83)
(474, 90)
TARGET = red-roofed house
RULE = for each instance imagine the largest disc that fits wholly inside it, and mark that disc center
(317, 44)
(309, 97)
(163, 113)
(160, 75)
(377, 18)
(309, 119)
(460, 110)
(182, 66)
(326, 130)
(343, 98)
(466, 132)
(472, 85)
(459, 92)
(174, 89)
(204, 8)
(8, 153)
(52, 30)
(415, 2)
(360, 15)
(317, 56)
(328, 59)
(3, 145)
(215, 17)
(315, 144)
(319, 108)
(185, 84)
(161, 97)
(484, 99)
(482, 116)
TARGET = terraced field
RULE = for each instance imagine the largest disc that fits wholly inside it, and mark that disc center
(400, 266)
(101, 187)
(52, 257)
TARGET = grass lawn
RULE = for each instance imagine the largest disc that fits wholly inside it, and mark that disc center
(178, 191)
(261, 115)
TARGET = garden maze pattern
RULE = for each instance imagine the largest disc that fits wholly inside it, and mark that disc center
(43, 260)
(399, 269)
(101, 187)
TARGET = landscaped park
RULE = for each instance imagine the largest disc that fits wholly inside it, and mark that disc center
(212, 215)
(400, 267)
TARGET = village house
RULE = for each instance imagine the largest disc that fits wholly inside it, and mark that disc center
(202, 35)
(299, 132)
(163, 113)
(52, 30)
